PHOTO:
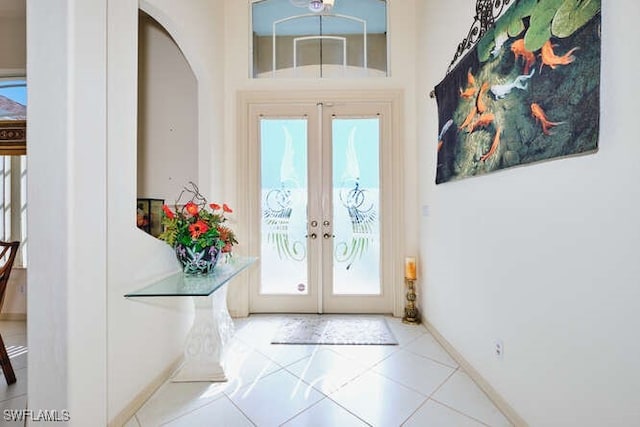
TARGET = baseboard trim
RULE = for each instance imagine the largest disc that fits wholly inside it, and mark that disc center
(136, 403)
(13, 316)
(493, 395)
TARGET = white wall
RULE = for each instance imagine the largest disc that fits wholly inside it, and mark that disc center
(146, 336)
(15, 297)
(67, 220)
(86, 253)
(13, 35)
(198, 30)
(167, 115)
(544, 257)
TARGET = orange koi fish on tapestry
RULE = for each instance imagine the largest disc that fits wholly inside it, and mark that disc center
(469, 118)
(538, 113)
(484, 120)
(551, 59)
(471, 89)
(494, 146)
(480, 105)
(519, 50)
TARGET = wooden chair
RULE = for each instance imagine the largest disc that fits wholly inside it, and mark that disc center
(5, 271)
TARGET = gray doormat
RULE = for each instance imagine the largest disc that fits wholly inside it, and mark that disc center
(334, 329)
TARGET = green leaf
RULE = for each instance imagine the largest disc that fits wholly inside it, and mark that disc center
(540, 25)
(515, 28)
(486, 45)
(515, 14)
(572, 15)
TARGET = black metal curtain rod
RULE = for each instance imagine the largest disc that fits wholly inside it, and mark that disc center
(487, 11)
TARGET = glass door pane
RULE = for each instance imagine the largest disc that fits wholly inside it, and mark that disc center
(283, 165)
(356, 206)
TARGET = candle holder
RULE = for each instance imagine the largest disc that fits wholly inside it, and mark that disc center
(411, 312)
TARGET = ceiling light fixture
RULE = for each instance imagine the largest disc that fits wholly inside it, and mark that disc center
(318, 6)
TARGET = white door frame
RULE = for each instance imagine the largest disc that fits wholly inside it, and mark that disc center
(391, 152)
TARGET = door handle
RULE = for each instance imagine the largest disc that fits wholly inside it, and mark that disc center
(312, 235)
(327, 235)
(314, 223)
(326, 223)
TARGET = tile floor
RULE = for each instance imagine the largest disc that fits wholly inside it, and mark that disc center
(415, 383)
(14, 334)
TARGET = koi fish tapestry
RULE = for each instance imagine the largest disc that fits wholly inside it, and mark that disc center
(528, 91)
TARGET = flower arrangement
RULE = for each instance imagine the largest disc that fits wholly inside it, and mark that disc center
(197, 225)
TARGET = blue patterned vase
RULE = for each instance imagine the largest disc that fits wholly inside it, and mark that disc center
(197, 262)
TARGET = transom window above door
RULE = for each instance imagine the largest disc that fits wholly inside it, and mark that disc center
(319, 38)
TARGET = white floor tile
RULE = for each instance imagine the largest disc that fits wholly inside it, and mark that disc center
(244, 365)
(19, 388)
(367, 385)
(462, 394)
(377, 400)
(18, 355)
(366, 355)
(326, 370)
(15, 339)
(323, 414)
(173, 400)
(17, 403)
(221, 412)
(275, 398)
(10, 328)
(417, 372)
(427, 346)
(433, 414)
(286, 354)
(405, 333)
(257, 330)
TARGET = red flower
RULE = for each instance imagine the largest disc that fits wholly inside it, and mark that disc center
(191, 208)
(168, 212)
(226, 208)
(214, 206)
(198, 228)
(226, 248)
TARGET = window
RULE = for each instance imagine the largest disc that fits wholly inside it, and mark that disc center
(319, 38)
(13, 161)
(13, 203)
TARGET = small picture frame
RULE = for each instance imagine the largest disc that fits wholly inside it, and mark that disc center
(149, 215)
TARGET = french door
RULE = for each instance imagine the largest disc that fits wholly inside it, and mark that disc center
(321, 207)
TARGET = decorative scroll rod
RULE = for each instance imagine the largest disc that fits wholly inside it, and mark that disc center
(487, 11)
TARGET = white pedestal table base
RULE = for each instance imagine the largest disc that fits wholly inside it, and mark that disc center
(205, 345)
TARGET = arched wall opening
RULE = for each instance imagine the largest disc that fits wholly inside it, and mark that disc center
(167, 117)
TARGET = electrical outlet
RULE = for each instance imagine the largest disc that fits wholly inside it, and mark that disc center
(498, 349)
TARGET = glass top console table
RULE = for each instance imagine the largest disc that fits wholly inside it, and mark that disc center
(179, 284)
(212, 325)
